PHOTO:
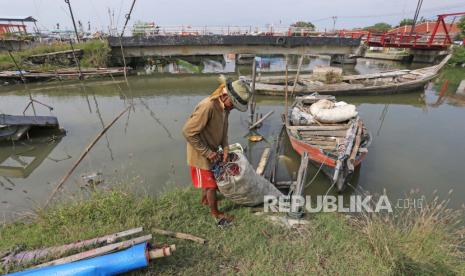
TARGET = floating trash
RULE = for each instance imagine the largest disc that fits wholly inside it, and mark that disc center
(255, 138)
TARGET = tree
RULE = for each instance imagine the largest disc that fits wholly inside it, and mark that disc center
(406, 21)
(303, 24)
(461, 25)
(379, 27)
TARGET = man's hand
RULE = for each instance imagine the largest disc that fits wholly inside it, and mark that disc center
(225, 154)
(213, 156)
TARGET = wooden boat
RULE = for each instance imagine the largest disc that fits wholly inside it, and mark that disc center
(388, 82)
(61, 74)
(335, 148)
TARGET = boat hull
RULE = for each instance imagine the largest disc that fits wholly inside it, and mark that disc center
(327, 163)
(409, 87)
(317, 155)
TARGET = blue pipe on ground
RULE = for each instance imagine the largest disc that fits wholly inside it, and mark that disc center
(111, 264)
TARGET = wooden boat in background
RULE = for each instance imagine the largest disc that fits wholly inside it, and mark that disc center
(61, 74)
(337, 148)
(389, 82)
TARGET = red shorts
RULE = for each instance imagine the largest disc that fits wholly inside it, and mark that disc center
(203, 178)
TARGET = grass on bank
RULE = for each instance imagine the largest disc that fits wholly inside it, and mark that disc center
(425, 243)
(458, 56)
(96, 54)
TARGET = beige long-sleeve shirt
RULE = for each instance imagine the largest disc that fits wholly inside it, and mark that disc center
(205, 130)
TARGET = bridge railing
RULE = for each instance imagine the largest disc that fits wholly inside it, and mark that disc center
(406, 40)
(154, 30)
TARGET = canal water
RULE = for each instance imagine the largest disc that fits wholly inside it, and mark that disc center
(418, 142)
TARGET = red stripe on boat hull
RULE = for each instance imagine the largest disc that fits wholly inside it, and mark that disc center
(316, 153)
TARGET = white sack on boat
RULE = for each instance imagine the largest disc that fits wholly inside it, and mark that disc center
(326, 111)
(247, 188)
(321, 104)
(301, 118)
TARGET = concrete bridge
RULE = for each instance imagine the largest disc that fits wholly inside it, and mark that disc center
(204, 45)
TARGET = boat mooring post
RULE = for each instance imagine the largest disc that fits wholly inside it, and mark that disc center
(297, 74)
(286, 88)
(298, 188)
(252, 102)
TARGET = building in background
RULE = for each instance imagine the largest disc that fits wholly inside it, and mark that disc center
(11, 26)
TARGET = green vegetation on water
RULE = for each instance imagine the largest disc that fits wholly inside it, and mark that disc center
(425, 242)
(96, 54)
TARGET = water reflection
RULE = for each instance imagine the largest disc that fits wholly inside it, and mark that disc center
(20, 160)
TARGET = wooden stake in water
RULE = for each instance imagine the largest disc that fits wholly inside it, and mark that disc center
(83, 154)
(286, 106)
(294, 85)
(252, 100)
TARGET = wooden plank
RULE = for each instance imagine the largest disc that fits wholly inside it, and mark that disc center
(320, 138)
(27, 256)
(13, 120)
(336, 133)
(76, 51)
(261, 120)
(320, 143)
(318, 128)
(375, 75)
(263, 161)
(179, 235)
(98, 251)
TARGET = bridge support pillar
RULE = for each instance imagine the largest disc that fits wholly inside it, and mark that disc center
(427, 56)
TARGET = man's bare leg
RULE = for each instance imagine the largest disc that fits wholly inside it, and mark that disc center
(213, 204)
(204, 200)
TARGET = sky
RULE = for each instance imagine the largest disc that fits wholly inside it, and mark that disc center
(261, 13)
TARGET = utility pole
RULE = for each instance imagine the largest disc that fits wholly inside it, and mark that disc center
(72, 18)
(128, 16)
(76, 60)
(334, 23)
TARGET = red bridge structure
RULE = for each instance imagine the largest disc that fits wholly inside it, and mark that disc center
(438, 39)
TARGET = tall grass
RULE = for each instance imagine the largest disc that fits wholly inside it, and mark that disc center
(418, 241)
(412, 243)
(96, 54)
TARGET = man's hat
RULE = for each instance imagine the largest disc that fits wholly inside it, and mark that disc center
(238, 91)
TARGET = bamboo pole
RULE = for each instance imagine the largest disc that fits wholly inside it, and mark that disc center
(358, 139)
(179, 235)
(162, 252)
(26, 256)
(97, 251)
(261, 120)
(83, 154)
(263, 161)
(297, 75)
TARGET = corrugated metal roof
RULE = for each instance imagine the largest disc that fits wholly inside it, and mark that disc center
(18, 18)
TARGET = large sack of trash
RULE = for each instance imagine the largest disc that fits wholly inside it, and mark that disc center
(301, 118)
(326, 111)
(238, 181)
